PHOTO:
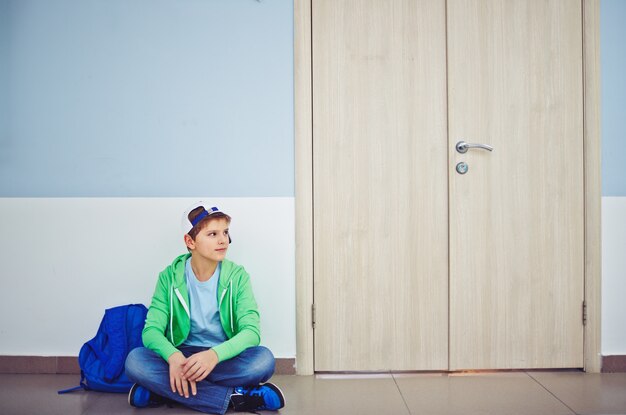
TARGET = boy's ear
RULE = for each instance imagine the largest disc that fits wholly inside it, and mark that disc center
(189, 242)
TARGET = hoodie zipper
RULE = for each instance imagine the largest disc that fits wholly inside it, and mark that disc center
(182, 301)
(171, 313)
(219, 306)
(232, 328)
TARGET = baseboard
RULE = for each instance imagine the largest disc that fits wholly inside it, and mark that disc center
(614, 364)
(69, 365)
(284, 366)
(39, 364)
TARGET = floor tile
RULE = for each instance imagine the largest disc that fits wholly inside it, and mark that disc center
(37, 394)
(484, 394)
(541, 393)
(308, 395)
(587, 393)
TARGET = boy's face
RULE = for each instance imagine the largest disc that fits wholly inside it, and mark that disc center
(212, 241)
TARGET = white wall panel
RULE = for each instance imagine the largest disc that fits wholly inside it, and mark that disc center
(613, 275)
(65, 260)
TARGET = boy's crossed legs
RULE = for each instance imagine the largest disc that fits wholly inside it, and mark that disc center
(253, 366)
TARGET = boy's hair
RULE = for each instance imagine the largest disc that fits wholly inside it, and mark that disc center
(195, 230)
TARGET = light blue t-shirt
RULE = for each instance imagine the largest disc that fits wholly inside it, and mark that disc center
(206, 329)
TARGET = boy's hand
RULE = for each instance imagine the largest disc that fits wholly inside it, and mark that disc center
(177, 382)
(198, 366)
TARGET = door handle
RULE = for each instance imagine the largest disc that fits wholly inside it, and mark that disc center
(462, 147)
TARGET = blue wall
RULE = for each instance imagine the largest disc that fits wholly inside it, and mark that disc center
(4, 80)
(146, 98)
(613, 66)
(182, 97)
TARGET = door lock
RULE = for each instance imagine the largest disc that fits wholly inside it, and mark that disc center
(462, 167)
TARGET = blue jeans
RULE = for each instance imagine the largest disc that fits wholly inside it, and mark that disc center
(251, 367)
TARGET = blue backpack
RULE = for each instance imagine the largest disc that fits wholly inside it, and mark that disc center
(102, 358)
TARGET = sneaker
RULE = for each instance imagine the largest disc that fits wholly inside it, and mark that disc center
(140, 397)
(265, 397)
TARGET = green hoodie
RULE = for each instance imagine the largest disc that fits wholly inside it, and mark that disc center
(168, 322)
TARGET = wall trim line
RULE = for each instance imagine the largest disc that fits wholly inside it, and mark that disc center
(592, 150)
(68, 365)
(303, 124)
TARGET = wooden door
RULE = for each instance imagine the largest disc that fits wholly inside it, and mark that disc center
(516, 217)
(379, 185)
(388, 202)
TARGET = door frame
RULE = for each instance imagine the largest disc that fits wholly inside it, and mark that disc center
(303, 113)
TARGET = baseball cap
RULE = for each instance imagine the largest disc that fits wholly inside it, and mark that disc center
(187, 225)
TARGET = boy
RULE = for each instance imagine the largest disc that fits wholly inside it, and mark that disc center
(202, 332)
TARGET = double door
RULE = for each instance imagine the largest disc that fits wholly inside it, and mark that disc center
(426, 256)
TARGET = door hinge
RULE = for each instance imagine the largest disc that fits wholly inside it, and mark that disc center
(584, 313)
(313, 315)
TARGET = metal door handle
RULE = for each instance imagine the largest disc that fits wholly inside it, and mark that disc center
(462, 147)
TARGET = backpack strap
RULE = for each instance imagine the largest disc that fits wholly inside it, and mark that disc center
(82, 385)
(75, 388)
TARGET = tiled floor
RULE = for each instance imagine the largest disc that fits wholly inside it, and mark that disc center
(523, 393)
